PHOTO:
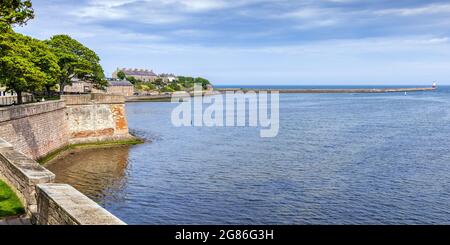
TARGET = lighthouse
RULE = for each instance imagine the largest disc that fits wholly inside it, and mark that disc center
(434, 85)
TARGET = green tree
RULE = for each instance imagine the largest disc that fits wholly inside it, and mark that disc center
(150, 86)
(47, 62)
(26, 64)
(159, 82)
(175, 86)
(15, 12)
(187, 82)
(76, 61)
(204, 82)
(121, 75)
(132, 80)
(167, 89)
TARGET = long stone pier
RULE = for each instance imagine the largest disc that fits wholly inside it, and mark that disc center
(330, 91)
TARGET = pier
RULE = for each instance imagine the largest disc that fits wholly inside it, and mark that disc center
(331, 91)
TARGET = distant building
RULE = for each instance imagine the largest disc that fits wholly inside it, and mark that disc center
(122, 87)
(9, 98)
(115, 86)
(4, 93)
(78, 87)
(168, 77)
(140, 74)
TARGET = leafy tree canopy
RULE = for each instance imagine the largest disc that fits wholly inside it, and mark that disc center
(26, 64)
(121, 75)
(15, 12)
(189, 82)
(76, 61)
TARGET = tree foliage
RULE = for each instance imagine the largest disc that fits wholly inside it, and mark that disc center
(167, 89)
(159, 82)
(30, 65)
(121, 75)
(26, 64)
(189, 82)
(133, 80)
(15, 12)
(76, 61)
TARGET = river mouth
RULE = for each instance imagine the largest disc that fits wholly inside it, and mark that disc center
(338, 159)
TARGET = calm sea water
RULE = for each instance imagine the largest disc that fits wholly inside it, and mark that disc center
(338, 159)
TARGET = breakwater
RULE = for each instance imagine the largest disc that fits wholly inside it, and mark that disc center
(330, 91)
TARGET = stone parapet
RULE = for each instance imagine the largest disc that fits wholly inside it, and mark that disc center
(23, 111)
(23, 174)
(61, 204)
(87, 99)
(48, 203)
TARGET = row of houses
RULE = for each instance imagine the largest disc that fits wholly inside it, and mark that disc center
(144, 75)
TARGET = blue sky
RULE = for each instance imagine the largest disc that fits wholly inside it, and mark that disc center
(261, 41)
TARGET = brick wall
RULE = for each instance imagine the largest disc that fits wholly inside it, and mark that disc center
(41, 128)
(35, 129)
(96, 117)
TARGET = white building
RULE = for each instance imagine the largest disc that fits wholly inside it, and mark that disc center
(168, 77)
(4, 93)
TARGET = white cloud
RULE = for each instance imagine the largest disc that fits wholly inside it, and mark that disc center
(424, 10)
(317, 24)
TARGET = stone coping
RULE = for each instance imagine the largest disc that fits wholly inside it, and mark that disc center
(29, 170)
(71, 203)
(5, 145)
(87, 99)
(22, 174)
(21, 111)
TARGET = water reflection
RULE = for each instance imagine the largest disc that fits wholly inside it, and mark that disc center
(98, 173)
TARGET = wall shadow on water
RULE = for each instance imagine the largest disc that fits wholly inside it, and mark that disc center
(97, 173)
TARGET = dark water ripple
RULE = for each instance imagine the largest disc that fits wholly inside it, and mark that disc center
(339, 159)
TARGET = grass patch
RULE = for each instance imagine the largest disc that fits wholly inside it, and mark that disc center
(100, 144)
(10, 204)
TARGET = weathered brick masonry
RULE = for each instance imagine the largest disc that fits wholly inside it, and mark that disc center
(38, 129)
(96, 117)
(35, 129)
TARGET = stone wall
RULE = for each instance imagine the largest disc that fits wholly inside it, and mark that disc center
(48, 203)
(96, 117)
(35, 129)
(62, 204)
(41, 128)
(22, 174)
(32, 131)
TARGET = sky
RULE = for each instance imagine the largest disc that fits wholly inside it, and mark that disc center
(261, 42)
